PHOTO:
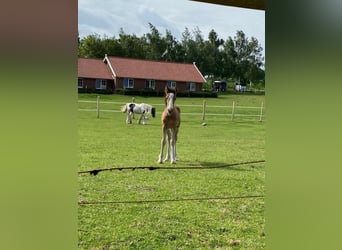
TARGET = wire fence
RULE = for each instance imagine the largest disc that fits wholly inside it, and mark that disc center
(169, 200)
(232, 112)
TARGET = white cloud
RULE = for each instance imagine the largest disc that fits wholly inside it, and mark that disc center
(107, 17)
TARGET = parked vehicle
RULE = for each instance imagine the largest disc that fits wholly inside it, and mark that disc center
(240, 87)
(219, 86)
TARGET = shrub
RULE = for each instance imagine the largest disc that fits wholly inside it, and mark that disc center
(197, 94)
(139, 92)
(96, 91)
(150, 92)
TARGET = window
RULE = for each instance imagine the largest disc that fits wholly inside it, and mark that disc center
(80, 83)
(191, 86)
(128, 83)
(101, 84)
(171, 84)
(150, 84)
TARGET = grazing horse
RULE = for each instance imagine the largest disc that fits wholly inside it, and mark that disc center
(135, 108)
(170, 126)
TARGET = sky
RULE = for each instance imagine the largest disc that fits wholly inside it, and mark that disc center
(106, 17)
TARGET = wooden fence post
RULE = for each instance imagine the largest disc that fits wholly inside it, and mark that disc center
(98, 107)
(203, 110)
(261, 111)
(233, 110)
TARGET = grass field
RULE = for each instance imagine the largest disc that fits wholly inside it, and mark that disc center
(195, 224)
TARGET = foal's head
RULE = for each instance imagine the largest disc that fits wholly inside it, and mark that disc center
(170, 98)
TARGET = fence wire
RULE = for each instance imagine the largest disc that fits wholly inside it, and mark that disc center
(169, 200)
(232, 109)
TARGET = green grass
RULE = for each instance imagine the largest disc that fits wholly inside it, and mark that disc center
(213, 224)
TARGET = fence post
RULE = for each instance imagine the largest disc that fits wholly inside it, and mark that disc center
(98, 107)
(233, 110)
(261, 111)
(203, 110)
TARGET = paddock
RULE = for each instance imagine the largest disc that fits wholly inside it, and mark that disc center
(204, 207)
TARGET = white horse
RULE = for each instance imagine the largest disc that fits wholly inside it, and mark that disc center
(135, 108)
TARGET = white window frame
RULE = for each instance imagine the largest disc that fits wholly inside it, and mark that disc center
(150, 84)
(171, 84)
(80, 83)
(192, 86)
(101, 84)
(130, 83)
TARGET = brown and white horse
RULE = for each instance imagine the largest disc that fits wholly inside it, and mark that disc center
(170, 126)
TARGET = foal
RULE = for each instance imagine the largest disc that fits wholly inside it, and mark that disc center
(170, 126)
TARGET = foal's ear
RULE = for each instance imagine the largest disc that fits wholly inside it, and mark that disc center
(167, 89)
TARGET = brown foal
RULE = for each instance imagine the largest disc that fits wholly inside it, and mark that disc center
(170, 126)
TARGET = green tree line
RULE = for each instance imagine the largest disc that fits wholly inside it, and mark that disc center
(238, 58)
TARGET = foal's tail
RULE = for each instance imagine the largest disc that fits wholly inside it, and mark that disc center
(124, 109)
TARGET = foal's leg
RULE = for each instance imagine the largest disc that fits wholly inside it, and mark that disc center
(167, 158)
(163, 141)
(176, 138)
(173, 147)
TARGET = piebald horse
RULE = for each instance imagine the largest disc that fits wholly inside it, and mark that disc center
(135, 108)
(170, 126)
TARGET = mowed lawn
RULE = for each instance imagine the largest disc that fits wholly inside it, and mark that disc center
(225, 223)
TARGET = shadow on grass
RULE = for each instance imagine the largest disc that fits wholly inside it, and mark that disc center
(215, 165)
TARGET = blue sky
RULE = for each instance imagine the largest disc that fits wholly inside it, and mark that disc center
(106, 17)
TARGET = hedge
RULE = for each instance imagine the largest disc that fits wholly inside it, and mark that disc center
(97, 91)
(150, 92)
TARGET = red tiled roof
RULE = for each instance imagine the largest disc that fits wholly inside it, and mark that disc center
(93, 68)
(156, 70)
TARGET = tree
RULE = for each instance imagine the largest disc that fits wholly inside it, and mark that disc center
(94, 46)
(173, 47)
(189, 47)
(131, 45)
(229, 56)
(91, 47)
(213, 55)
(247, 57)
(238, 57)
(156, 45)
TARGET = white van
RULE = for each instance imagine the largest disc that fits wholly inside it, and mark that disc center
(240, 87)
